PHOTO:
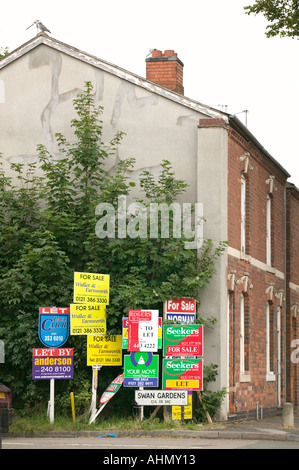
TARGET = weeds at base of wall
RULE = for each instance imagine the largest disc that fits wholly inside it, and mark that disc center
(40, 423)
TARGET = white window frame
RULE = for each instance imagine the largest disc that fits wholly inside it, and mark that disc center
(242, 338)
(278, 317)
(270, 376)
(243, 213)
(244, 375)
(268, 231)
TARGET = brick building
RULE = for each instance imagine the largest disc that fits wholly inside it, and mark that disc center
(245, 192)
(256, 279)
(262, 265)
(292, 293)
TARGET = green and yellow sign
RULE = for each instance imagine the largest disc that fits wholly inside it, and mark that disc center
(182, 374)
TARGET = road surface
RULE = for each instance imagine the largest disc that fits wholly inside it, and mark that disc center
(174, 446)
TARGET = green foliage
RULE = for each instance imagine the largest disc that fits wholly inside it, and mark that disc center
(282, 15)
(211, 400)
(3, 52)
(47, 231)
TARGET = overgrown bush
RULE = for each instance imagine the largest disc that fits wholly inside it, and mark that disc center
(47, 232)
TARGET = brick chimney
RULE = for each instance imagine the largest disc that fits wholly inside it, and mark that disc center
(165, 69)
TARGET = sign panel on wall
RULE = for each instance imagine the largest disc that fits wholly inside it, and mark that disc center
(104, 350)
(141, 369)
(143, 330)
(91, 288)
(54, 326)
(184, 374)
(182, 340)
(87, 319)
(52, 363)
(181, 310)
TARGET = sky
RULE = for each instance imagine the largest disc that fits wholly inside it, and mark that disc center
(228, 61)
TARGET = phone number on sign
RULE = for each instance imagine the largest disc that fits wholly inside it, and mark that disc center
(88, 331)
(93, 300)
(54, 338)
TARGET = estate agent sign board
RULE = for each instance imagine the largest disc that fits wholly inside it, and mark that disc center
(182, 340)
(104, 350)
(141, 369)
(186, 374)
(52, 363)
(143, 330)
(180, 310)
(112, 389)
(88, 319)
(125, 332)
(91, 288)
(54, 326)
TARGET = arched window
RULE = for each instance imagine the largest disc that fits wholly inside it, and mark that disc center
(243, 213)
(269, 230)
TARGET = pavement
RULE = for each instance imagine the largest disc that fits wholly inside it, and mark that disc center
(268, 428)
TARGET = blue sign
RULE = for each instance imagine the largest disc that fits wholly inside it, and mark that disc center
(54, 326)
(181, 317)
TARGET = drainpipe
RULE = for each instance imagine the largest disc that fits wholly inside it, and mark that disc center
(285, 303)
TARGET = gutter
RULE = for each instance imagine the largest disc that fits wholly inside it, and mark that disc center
(238, 126)
(285, 362)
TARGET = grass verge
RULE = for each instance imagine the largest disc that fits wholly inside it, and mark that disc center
(40, 422)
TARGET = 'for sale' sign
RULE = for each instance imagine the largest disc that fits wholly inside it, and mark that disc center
(104, 350)
(181, 310)
(91, 288)
(182, 340)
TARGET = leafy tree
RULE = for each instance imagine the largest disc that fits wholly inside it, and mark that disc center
(3, 52)
(283, 16)
(47, 232)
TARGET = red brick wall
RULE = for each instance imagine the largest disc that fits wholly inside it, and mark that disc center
(259, 170)
(263, 284)
(293, 234)
(292, 227)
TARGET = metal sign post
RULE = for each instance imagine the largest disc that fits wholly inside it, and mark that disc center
(110, 391)
(2, 354)
(51, 402)
(93, 406)
(51, 364)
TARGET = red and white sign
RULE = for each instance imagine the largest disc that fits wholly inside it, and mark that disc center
(143, 330)
(183, 340)
(55, 310)
(182, 310)
(112, 389)
(51, 352)
(182, 305)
